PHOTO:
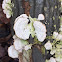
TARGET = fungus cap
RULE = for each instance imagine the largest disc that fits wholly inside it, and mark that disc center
(12, 52)
(40, 30)
(21, 28)
(41, 17)
(19, 44)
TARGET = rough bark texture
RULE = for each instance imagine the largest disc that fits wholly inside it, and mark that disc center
(52, 13)
(50, 8)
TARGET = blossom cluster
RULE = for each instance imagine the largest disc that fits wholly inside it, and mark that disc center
(7, 8)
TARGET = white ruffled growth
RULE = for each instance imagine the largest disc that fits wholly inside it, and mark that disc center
(19, 44)
(41, 17)
(48, 46)
(6, 5)
(17, 47)
(40, 30)
(21, 16)
(21, 27)
(7, 12)
(12, 52)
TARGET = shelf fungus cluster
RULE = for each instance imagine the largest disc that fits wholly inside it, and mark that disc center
(17, 47)
(25, 26)
(7, 8)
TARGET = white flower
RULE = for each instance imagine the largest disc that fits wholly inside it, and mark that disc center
(40, 30)
(27, 47)
(12, 52)
(19, 44)
(41, 17)
(22, 28)
(52, 59)
(48, 46)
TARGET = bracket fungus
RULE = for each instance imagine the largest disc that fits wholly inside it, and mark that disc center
(40, 30)
(20, 44)
(21, 27)
(35, 28)
(17, 47)
(12, 52)
(25, 26)
(7, 8)
(41, 17)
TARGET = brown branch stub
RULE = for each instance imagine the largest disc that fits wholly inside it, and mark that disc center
(20, 57)
(26, 7)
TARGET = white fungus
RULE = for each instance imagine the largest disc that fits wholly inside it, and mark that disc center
(12, 52)
(6, 5)
(21, 28)
(48, 46)
(41, 17)
(19, 44)
(40, 30)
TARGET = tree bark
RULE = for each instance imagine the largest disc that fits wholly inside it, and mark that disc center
(50, 9)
